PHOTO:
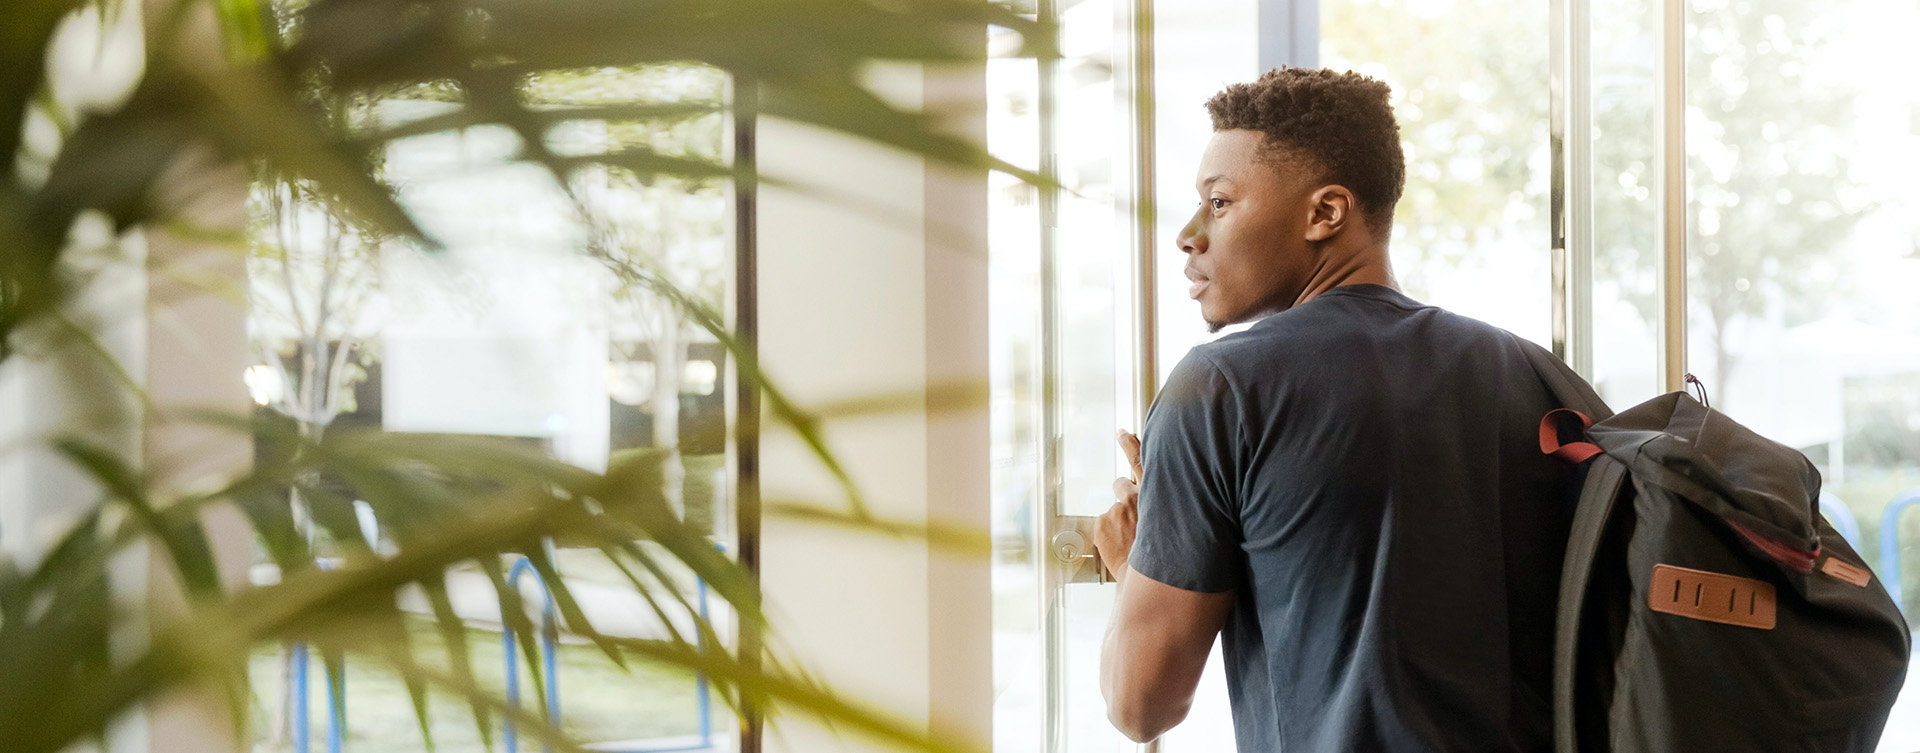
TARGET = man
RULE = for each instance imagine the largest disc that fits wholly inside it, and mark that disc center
(1349, 493)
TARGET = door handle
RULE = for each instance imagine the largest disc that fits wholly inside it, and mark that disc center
(1072, 550)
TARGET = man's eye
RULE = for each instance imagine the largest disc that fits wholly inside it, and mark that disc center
(1217, 204)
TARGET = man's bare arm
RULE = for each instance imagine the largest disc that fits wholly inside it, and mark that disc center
(1159, 636)
(1156, 647)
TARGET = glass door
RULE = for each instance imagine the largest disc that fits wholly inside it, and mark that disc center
(1088, 294)
(1067, 370)
(1070, 267)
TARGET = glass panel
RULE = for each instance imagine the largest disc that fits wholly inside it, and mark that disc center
(1093, 292)
(1013, 227)
(1093, 279)
(1803, 126)
(1470, 90)
(512, 332)
(1181, 128)
(1093, 289)
(1626, 219)
(1088, 731)
(1075, 114)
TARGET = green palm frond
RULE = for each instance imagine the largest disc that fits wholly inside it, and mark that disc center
(283, 101)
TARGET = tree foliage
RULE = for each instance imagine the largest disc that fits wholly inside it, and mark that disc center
(1771, 200)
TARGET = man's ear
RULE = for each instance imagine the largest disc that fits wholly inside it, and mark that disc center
(1331, 207)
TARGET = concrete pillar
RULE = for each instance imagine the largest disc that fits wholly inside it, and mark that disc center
(143, 318)
(877, 286)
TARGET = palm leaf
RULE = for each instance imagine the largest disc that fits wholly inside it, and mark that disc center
(442, 503)
(453, 633)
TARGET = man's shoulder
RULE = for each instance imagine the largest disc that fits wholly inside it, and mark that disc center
(1315, 343)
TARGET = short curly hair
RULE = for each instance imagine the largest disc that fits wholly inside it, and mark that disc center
(1339, 122)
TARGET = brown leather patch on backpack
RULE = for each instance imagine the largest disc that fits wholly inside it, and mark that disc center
(1846, 571)
(1713, 597)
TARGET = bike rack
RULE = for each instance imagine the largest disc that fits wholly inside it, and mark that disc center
(336, 718)
(336, 691)
(549, 654)
(1890, 544)
(704, 700)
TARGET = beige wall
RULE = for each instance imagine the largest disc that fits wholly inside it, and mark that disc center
(875, 284)
(196, 351)
(184, 344)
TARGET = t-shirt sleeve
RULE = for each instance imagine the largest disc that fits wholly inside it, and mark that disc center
(1189, 535)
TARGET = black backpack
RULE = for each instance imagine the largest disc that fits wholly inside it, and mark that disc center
(1705, 605)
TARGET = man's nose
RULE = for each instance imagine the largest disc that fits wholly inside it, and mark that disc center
(1193, 237)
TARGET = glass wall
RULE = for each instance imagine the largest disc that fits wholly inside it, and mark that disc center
(523, 330)
(1062, 301)
(1803, 127)
(1019, 648)
(1470, 90)
(1063, 364)
(1626, 217)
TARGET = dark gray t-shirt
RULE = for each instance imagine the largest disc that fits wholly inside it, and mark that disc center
(1364, 472)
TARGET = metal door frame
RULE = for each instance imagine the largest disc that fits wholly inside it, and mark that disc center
(1571, 187)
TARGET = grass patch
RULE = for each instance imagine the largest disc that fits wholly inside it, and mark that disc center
(598, 700)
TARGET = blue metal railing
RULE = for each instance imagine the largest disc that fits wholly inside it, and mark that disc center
(1890, 543)
(700, 678)
(336, 692)
(549, 654)
(336, 716)
(704, 742)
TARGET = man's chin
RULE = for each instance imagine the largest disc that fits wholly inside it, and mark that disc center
(1216, 319)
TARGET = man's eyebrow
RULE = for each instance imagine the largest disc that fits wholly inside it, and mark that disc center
(1215, 179)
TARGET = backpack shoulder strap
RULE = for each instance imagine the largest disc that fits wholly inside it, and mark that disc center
(1598, 495)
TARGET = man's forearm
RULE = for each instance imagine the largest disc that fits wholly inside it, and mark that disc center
(1148, 669)
(1128, 707)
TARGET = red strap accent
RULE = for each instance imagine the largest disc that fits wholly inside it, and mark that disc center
(1798, 560)
(1572, 452)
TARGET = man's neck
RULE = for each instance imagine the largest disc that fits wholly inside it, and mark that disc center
(1360, 266)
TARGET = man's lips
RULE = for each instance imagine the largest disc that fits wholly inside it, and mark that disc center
(1200, 283)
